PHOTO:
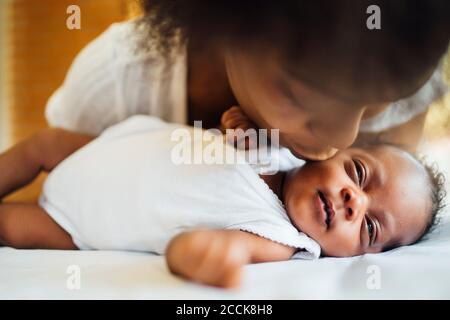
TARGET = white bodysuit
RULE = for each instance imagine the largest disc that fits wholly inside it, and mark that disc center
(123, 191)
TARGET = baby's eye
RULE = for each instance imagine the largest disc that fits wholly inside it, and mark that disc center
(359, 171)
(370, 229)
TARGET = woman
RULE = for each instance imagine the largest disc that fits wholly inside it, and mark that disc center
(313, 70)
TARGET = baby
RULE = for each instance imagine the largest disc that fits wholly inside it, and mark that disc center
(123, 191)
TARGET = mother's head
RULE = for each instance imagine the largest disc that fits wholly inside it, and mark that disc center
(312, 68)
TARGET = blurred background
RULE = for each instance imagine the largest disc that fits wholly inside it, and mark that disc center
(36, 49)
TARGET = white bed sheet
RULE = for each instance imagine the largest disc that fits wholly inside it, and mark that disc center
(421, 271)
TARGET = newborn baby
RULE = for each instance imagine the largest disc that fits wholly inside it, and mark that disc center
(123, 191)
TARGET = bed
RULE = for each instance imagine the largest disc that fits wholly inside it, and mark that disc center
(414, 272)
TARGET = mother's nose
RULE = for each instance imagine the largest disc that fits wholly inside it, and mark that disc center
(355, 203)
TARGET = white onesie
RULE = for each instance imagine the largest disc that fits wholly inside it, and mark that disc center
(122, 191)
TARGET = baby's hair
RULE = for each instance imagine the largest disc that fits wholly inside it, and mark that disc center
(324, 43)
(438, 194)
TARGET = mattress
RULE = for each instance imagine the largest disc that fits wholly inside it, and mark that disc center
(413, 272)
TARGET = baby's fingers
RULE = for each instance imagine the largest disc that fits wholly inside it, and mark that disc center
(234, 118)
(230, 114)
(241, 136)
(221, 265)
(232, 277)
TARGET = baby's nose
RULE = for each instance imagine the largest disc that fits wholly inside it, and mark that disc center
(355, 203)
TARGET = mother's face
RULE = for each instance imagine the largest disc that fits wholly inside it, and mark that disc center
(312, 125)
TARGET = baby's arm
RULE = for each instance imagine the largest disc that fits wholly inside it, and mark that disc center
(27, 225)
(216, 257)
(42, 152)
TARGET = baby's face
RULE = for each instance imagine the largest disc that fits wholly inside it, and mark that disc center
(361, 200)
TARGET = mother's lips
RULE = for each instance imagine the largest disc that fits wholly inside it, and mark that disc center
(327, 206)
(310, 155)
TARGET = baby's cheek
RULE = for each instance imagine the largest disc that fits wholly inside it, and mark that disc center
(341, 243)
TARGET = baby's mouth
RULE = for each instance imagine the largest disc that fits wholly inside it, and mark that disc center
(328, 208)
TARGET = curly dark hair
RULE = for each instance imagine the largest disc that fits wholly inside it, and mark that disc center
(437, 194)
(325, 43)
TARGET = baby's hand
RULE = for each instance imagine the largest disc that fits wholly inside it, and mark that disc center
(234, 118)
(213, 257)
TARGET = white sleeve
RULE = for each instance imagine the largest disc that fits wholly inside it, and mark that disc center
(117, 76)
(402, 111)
(87, 101)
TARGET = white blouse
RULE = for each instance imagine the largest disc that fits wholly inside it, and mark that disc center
(114, 77)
